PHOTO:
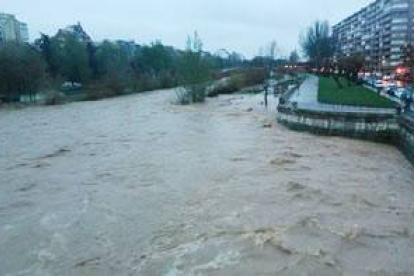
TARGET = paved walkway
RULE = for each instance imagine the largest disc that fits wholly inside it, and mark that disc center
(308, 92)
(306, 97)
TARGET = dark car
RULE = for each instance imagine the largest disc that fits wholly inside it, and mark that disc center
(391, 90)
(407, 95)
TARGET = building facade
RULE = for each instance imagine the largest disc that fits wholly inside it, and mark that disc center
(379, 31)
(75, 31)
(13, 30)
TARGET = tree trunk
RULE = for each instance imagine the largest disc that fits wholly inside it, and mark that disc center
(338, 82)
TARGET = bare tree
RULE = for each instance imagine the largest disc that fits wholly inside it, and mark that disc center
(294, 57)
(273, 50)
(317, 44)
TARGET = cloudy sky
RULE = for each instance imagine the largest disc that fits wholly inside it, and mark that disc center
(240, 25)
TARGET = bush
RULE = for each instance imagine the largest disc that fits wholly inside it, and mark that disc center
(183, 96)
(225, 86)
(146, 83)
(98, 94)
(116, 84)
(238, 81)
(55, 98)
(197, 93)
(191, 94)
(255, 76)
(167, 80)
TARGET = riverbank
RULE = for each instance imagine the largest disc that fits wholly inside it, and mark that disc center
(405, 138)
(152, 188)
(305, 113)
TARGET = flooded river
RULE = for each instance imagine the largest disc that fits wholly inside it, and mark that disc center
(139, 186)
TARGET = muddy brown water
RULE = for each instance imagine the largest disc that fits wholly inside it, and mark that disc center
(139, 186)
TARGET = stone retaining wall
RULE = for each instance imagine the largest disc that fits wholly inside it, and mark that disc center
(405, 140)
(377, 127)
(389, 128)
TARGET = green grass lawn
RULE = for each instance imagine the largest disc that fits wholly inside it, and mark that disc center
(355, 95)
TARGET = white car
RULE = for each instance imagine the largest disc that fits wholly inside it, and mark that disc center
(378, 84)
(71, 86)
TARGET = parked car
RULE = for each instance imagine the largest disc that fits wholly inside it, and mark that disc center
(390, 90)
(378, 75)
(369, 81)
(386, 78)
(378, 84)
(407, 93)
(399, 92)
(71, 86)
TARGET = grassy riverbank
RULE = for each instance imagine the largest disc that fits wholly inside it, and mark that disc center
(355, 95)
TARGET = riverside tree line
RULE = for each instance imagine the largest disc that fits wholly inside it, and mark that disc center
(111, 68)
(105, 69)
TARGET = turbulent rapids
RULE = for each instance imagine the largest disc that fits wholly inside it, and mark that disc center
(140, 186)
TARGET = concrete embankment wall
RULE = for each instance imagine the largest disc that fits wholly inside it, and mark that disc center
(389, 128)
(405, 141)
(377, 127)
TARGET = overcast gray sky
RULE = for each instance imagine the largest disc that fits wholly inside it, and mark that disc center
(239, 25)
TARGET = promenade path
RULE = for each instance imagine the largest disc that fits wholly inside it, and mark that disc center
(306, 97)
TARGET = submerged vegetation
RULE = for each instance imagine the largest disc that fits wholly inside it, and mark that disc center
(195, 72)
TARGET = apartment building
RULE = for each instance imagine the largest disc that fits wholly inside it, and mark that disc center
(13, 30)
(379, 31)
(76, 31)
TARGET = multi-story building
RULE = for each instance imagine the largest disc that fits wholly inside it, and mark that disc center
(75, 31)
(379, 31)
(13, 30)
(24, 32)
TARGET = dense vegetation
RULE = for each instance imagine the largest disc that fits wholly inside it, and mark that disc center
(354, 95)
(238, 79)
(22, 70)
(104, 69)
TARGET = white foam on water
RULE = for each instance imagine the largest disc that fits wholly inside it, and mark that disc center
(174, 272)
(224, 259)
